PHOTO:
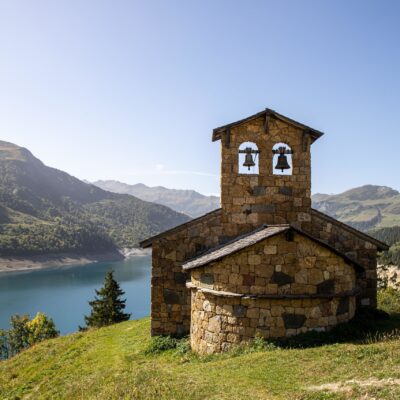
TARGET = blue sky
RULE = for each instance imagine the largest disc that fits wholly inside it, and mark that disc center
(131, 90)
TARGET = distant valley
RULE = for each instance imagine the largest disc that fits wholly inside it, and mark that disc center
(188, 202)
(44, 210)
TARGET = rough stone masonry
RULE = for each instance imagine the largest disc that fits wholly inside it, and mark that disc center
(265, 263)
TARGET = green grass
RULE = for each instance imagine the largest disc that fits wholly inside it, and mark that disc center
(114, 363)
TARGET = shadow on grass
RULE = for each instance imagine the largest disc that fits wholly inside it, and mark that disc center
(369, 325)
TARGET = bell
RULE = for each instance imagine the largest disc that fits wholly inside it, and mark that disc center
(282, 163)
(248, 161)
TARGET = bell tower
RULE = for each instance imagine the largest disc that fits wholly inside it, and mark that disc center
(265, 172)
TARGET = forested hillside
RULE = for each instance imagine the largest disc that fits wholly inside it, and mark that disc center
(44, 210)
(391, 236)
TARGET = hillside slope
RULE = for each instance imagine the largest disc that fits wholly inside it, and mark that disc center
(367, 207)
(110, 363)
(44, 210)
(189, 202)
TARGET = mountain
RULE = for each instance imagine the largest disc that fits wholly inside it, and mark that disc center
(366, 208)
(45, 210)
(189, 202)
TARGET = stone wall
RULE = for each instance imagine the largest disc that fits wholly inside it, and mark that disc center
(218, 323)
(279, 287)
(170, 308)
(344, 239)
(170, 299)
(278, 266)
(251, 200)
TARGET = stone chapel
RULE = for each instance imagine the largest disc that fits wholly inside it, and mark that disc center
(265, 263)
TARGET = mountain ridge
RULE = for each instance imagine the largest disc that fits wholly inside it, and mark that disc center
(187, 201)
(366, 207)
(45, 210)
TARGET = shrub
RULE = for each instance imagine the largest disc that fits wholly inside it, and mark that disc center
(260, 344)
(389, 300)
(183, 346)
(40, 328)
(159, 344)
(18, 335)
(4, 347)
(25, 333)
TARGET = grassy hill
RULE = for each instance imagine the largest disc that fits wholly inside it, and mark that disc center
(111, 363)
(44, 210)
(189, 202)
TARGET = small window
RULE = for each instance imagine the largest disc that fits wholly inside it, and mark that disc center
(248, 158)
(282, 163)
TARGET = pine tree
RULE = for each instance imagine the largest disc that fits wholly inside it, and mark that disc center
(107, 307)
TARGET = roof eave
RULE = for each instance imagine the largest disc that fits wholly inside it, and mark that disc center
(315, 134)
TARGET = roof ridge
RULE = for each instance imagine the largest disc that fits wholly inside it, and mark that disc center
(267, 112)
(381, 245)
(240, 246)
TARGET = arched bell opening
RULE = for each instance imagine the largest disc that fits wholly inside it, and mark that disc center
(248, 158)
(282, 162)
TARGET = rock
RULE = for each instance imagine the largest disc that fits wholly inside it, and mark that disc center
(171, 297)
(343, 306)
(280, 278)
(293, 321)
(326, 287)
(214, 324)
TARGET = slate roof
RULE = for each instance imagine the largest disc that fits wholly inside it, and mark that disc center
(235, 245)
(315, 134)
(250, 239)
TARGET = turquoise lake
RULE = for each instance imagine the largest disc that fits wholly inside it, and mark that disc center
(63, 292)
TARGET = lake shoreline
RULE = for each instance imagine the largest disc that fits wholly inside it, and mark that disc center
(63, 292)
(54, 260)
